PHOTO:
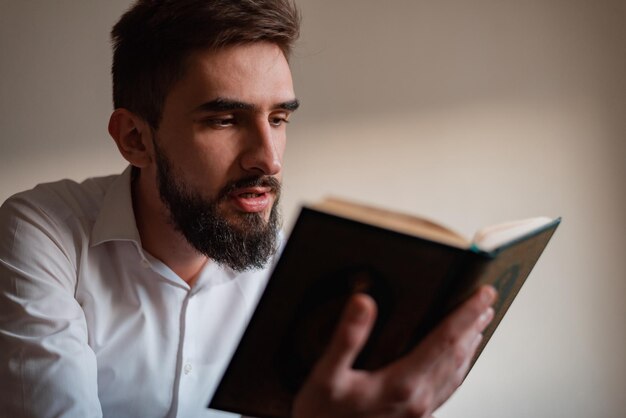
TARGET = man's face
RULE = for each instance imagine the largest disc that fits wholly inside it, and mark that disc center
(219, 150)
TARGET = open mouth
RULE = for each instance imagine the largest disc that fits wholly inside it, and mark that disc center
(249, 195)
(252, 199)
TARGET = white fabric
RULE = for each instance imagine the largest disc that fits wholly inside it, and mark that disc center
(91, 325)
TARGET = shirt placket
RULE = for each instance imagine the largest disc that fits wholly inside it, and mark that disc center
(187, 370)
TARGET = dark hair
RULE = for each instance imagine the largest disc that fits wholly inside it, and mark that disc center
(153, 38)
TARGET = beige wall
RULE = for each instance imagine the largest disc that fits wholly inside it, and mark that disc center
(470, 112)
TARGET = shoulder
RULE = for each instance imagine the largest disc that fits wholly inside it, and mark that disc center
(59, 200)
(58, 214)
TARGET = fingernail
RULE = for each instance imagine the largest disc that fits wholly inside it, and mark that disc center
(486, 317)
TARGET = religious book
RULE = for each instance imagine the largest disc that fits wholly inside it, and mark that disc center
(416, 270)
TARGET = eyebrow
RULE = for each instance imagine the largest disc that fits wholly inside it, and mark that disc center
(224, 105)
(291, 105)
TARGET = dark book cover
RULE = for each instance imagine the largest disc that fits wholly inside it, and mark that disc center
(415, 283)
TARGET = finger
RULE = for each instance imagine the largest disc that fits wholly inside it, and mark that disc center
(447, 341)
(450, 384)
(471, 310)
(463, 369)
(484, 319)
(448, 372)
(349, 337)
(472, 316)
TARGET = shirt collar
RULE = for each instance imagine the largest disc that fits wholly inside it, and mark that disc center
(116, 220)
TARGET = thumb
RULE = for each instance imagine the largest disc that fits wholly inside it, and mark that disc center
(349, 337)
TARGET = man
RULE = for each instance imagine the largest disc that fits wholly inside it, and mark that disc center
(124, 295)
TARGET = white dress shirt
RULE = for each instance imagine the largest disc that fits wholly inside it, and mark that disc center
(92, 325)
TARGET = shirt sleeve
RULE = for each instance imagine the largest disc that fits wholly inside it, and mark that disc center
(47, 368)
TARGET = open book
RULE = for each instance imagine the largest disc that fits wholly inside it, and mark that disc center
(416, 270)
(485, 239)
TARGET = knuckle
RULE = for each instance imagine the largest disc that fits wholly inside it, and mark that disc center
(450, 334)
(326, 388)
(421, 406)
(323, 384)
(357, 396)
(401, 391)
(452, 346)
(449, 340)
(459, 354)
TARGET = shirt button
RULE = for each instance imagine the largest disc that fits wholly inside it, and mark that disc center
(145, 263)
(187, 368)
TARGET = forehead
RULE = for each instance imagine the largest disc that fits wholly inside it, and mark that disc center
(255, 73)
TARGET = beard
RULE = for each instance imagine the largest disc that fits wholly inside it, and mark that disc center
(244, 243)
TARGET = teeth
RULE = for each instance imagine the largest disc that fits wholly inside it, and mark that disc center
(249, 195)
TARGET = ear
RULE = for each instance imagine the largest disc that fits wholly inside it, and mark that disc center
(132, 134)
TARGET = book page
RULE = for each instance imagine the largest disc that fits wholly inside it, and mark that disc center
(492, 237)
(394, 221)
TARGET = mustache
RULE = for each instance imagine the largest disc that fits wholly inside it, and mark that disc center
(253, 181)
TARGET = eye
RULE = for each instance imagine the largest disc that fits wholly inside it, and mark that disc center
(219, 123)
(278, 120)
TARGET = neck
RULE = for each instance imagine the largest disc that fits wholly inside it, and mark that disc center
(158, 235)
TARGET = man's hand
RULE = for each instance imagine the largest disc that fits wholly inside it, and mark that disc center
(413, 386)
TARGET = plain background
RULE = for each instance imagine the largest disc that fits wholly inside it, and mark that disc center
(470, 112)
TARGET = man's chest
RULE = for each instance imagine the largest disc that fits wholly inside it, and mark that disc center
(157, 341)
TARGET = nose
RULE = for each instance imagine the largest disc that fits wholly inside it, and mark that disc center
(263, 150)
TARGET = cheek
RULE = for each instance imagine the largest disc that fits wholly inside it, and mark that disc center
(212, 166)
(280, 146)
